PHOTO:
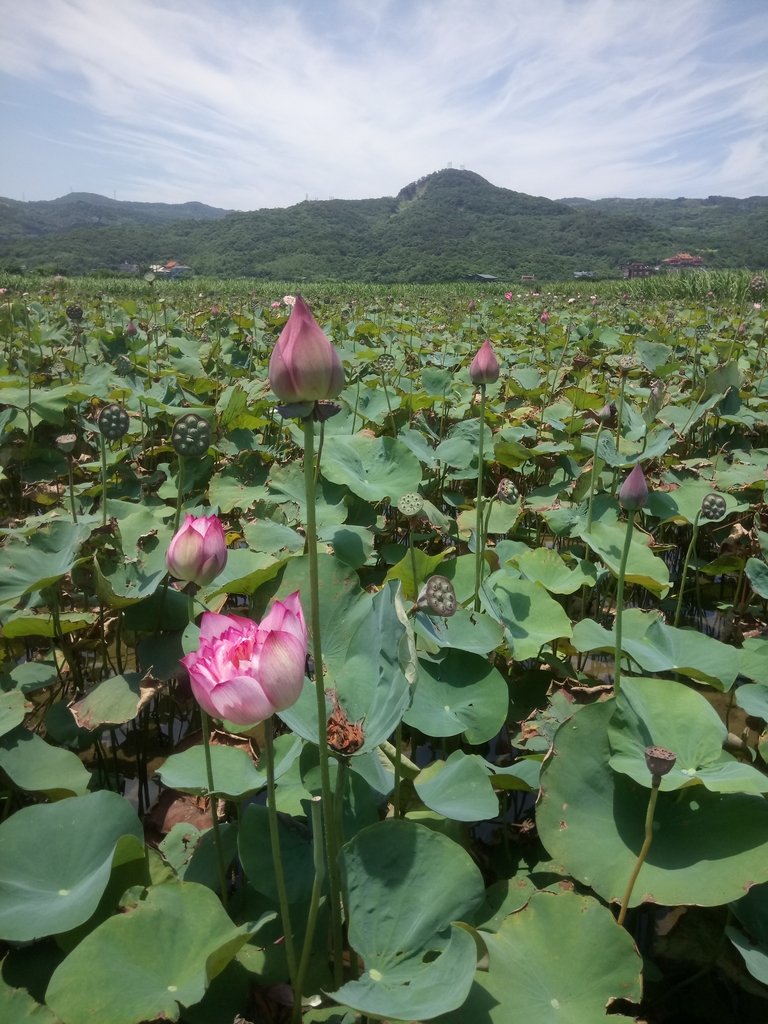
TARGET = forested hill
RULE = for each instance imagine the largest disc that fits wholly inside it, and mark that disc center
(448, 225)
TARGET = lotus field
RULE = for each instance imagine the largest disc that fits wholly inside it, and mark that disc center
(383, 656)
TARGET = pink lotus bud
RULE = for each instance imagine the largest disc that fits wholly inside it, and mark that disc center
(245, 671)
(198, 551)
(634, 491)
(544, 318)
(484, 368)
(508, 296)
(304, 366)
(131, 329)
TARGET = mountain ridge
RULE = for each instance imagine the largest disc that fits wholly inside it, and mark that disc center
(446, 225)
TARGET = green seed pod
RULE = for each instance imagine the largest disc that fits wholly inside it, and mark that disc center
(385, 363)
(191, 435)
(410, 504)
(506, 491)
(75, 313)
(113, 422)
(438, 596)
(713, 507)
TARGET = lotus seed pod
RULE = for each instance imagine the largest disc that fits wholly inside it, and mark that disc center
(66, 443)
(75, 312)
(757, 284)
(113, 422)
(385, 363)
(660, 761)
(191, 435)
(506, 491)
(410, 504)
(713, 507)
(627, 363)
(123, 366)
(580, 360)
(438, 596)
(702, 331)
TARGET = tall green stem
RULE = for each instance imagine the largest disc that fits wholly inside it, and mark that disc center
(331, 846)
(620, 601)
(593, 477)
(643, 849)
(103, 448)
(688, 553)
(274, 839)
(314, 904)
(479, 538)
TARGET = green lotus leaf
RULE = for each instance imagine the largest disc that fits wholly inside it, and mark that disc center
(42, 894)
(531, 618)
(49, 554)
(133, 967)
(418, 964)
(458, 788)
(532, 977)
(707, 847)
(373, 468)
(662, 713)
(36, 766)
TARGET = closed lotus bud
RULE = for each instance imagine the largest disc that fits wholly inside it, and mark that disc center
(198, 550)
(131, 329)
(484, 368)
(607, 415)
(304, 366)
(544, 317)
(634, 491)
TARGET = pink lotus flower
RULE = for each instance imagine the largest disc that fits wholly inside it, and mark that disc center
(245, 671)
(484, 368)
(304, 366)
(198, 551)
(633, 494)
(544, 318)
(131, 329)
(508, 296)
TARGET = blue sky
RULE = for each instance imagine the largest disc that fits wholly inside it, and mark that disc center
(257, 104)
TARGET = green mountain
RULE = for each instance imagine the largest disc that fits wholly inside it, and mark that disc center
(448, 225)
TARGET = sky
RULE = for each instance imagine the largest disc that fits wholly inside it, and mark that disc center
(245, 104)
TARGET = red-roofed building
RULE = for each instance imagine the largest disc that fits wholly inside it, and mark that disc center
(683, 261)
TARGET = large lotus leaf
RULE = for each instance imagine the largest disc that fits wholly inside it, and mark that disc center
(271, 538)
(683, 503)
(374, 468)
(656, 647)
(662, 713)
(707, 849)
(55, 862)
(752, 942)
(530, 616)
(236, 486)
(459, 788)
(113, 702)
(149, 962)
(757, 573)
(465, 630)
(372, 682)
(561, 958)
(406, 884)
(234, 773)
(545, 566)
(35, 624)
(17, 1006)
(753, 659)
(286, 484)
(255, 849)
(753, 698)
(606, 538)
(127, 582)
(48, 555)
(462, 692)
(37, 767)
(13, 708)
(244, 573)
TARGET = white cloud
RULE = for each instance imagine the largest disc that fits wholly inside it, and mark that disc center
(248, 105)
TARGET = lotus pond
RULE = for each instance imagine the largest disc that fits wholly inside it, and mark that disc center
(508, 694)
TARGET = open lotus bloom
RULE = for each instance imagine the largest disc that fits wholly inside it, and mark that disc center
(484, 368)
(245, 671)
(198, 551)
(304, 365)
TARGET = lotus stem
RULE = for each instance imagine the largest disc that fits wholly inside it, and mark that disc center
(656, 782)
(103, 448)
(593, 478)
(479, 540)
(316, 818)
(688, 553)
(274, 839)
(620, 600)
(331, 846)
